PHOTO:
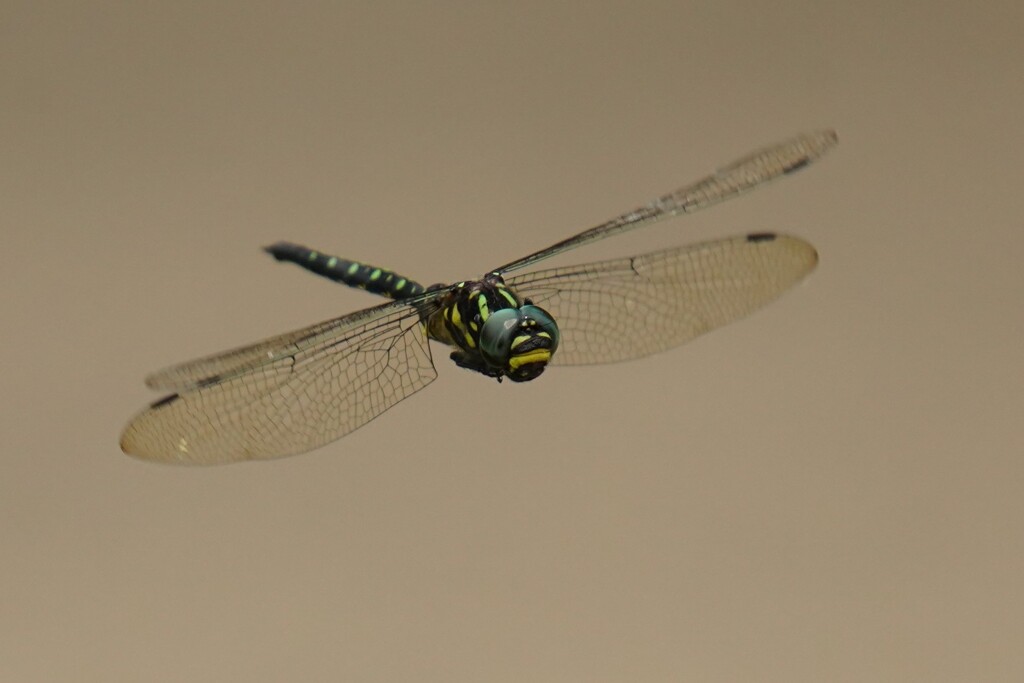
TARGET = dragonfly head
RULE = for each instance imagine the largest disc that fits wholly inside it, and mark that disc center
(519, 341)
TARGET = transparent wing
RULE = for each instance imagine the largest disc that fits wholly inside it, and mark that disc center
(738, 177)
(632, 307)
(288, 394)
(223, 365)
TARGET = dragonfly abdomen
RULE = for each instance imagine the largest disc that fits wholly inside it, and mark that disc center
(352, 273)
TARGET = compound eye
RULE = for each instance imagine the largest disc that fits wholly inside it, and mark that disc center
(496, 336)
(544, 320)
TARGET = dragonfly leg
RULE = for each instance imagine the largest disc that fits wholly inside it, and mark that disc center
(464, 360)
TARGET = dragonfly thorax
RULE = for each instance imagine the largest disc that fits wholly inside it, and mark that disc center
(495, 332)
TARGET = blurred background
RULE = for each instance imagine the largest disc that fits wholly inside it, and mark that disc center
(829, 490)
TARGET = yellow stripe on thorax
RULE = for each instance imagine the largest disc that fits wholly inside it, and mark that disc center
(455, 318)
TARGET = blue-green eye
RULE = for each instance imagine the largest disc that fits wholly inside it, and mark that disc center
(544, 320)
(497, 334)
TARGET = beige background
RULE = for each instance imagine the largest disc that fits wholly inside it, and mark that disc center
(829, 491)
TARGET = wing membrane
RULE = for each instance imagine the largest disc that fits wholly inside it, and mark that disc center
(738, 177)
(627, 308)
(286, 395)
(224, 365)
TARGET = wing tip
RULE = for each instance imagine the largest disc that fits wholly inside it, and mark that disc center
(808, 254)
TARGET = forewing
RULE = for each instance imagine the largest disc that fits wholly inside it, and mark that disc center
(632, 307)
(224, 365)
(309, 388)
(742, 175)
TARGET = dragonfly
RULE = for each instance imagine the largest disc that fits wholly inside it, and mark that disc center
(301, 390)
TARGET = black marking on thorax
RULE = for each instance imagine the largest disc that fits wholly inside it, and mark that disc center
(466, 308)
